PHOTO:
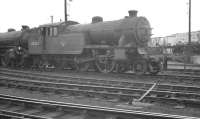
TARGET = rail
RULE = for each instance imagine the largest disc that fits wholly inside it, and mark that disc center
(87, 109)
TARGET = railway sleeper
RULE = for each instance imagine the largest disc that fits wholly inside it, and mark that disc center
(161, 94)
(75, 92)
(160, 88)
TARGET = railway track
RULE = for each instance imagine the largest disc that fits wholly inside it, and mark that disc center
(26, 108)
(113, 90)
(192, 80)
(185, 71)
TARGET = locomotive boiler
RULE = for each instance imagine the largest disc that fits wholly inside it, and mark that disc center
(133, 31)
(108, 46)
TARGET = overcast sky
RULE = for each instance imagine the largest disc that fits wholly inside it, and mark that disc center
(166, 16)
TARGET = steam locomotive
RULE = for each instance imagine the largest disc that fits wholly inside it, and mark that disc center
(119, 45)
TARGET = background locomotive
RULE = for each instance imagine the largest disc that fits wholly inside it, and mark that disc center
(119, 45)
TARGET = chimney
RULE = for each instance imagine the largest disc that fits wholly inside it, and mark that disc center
(11, 30)
(97, 19)
(132, 13)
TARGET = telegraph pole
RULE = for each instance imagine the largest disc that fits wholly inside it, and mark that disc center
(51, 19)
(189, 47)
(65, 5)
(189, 32)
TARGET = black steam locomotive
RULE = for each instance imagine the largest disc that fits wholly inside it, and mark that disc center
(108, 46)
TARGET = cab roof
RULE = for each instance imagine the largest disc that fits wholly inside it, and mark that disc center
(59, 24)
(54, 24)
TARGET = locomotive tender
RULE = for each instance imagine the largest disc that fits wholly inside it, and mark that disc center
(119, 45)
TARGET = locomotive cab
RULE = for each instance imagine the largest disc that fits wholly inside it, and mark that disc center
(52, 39)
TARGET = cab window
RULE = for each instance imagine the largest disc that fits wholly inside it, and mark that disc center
(55, 31)
(47, 31)
(51, 31)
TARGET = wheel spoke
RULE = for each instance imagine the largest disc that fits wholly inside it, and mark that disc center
(139, 68)
(5, 61)
(105, 64)
(154, 68)
(84, 66)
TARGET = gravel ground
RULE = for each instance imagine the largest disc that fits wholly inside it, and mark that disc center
(159, 108)
(122, 77)
(156, 107)
(115, 76)
(109, 76)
